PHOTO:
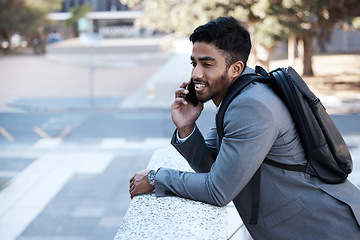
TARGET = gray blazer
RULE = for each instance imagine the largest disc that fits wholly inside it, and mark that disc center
(293, 205)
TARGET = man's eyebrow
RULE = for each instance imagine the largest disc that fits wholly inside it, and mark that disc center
(206, 58)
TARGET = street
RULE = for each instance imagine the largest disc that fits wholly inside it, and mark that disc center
(29, 127)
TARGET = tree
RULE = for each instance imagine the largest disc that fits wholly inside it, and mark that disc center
(12, 19)
(265, 29)
(310, 20)
(356, 23)
(269, 21)
(77, 12)
(306, 20)
(26, 18)
(173, 15)
(183, 16)
(46, 6)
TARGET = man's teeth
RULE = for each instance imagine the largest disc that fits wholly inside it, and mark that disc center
(199, 85)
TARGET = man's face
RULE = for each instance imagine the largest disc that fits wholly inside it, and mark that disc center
(209, 73)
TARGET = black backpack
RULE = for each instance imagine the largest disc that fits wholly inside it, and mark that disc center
(328, 156)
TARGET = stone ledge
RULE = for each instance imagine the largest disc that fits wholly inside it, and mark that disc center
(149, 217)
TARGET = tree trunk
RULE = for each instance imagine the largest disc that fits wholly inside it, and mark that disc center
(76, 30)
(270, 53)
(292, 50)
(307, 55)
(42, 37)
(7, 37)
(263, 56)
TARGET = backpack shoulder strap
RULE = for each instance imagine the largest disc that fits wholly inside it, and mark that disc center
(234, 90)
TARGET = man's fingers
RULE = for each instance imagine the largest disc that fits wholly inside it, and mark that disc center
(139, 183)
(178, 102)
(184, 84)
(135, 191)
(181, 92)
(132, 194)
(131, 191)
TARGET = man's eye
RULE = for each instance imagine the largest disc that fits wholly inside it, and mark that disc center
(193, 64)
(206, 64)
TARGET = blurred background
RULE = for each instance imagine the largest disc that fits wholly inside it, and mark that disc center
(86, 88)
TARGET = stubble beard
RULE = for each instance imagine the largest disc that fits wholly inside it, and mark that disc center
(222, 80)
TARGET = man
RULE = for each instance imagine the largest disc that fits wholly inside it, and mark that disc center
(293, 205)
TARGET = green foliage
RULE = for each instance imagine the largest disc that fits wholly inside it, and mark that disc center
(183, 16)
(269, 21)
(176, 15)
(46, 6)
(24, 17)
(356, 23)
(77, 13)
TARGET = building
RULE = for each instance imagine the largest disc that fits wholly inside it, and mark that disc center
(110, 18)
(342, 41)
(97, 5)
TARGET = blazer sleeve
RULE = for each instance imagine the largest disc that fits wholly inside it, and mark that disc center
(200, 154)
(249, 133)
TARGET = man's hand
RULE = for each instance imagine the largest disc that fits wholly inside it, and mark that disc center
(183, 113)
(139, 183)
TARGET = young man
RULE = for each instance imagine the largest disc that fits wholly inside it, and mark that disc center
(293, 205)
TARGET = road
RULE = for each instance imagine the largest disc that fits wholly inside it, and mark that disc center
(73, 126)
(128, 124)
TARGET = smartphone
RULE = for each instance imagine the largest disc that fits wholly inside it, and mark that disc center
(191, 96)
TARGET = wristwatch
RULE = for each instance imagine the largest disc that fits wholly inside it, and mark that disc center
(151, 177)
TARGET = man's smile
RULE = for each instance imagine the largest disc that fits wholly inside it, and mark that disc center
(199, 87)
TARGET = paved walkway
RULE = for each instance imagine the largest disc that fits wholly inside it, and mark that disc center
(70, 190)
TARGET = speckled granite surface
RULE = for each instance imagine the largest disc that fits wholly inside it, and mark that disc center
(149, 217)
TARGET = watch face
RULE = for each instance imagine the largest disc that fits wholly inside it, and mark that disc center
(151, 177)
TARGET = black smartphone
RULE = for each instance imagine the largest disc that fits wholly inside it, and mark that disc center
(191, 96)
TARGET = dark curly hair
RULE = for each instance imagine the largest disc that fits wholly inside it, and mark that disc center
(228, 35)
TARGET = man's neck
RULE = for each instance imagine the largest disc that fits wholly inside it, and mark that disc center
(247, 70)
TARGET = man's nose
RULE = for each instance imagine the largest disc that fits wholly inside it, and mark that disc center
(197, 73)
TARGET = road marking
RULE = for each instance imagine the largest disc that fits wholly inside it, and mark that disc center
(47, 144)
(65, 132)
(32, 189)
(41, 132)
(122, 143)
(6, 134)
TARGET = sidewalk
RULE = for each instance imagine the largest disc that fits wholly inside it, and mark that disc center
(68, 74)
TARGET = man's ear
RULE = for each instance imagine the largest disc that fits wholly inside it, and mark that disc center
(236, 69)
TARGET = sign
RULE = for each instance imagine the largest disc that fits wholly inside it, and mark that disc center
(90, 39)
(83, 24)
